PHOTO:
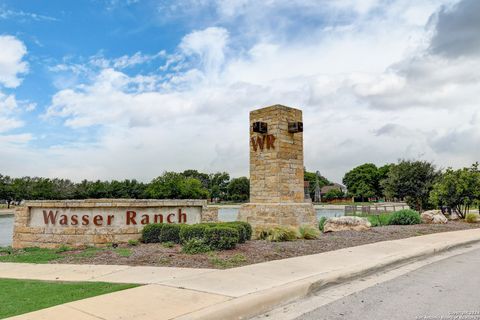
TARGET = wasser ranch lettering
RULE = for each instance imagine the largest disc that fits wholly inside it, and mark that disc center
(131, 217)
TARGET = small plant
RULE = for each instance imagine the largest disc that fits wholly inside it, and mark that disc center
(308, 233)
(164, 260)
(170, 233)
(6, 250)
(169, 244)
(151, 233)
(63, 248)
(123, 252)
(471, 218)
(280, 234)
(133, 242)
(192, 231)
(405, 217)
(221, 238)
(379, 220)
(195, 246)
(321, 223)
(261, 233)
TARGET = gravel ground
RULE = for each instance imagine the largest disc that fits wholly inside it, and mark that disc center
(253, 251)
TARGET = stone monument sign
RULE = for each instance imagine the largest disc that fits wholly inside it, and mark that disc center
(96, 222)
(276, 170)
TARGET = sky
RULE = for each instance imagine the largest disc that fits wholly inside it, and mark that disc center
(111, 89)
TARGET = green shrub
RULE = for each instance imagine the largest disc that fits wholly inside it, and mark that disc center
(194, 246)
(321, 223)
(279, 234)
(405, 217)
(133, 242)
(308, 233)
(247, 226)
(151, 233)
(221, 238)
(170, 233)
(194, 231)
(379, 220)
(471, 218)
(242, 231)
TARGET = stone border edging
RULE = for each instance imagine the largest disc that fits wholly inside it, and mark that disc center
(256, 303)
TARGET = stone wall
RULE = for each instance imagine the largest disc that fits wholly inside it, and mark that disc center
(50, 224)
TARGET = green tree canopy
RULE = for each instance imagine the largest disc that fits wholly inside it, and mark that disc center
(173, 185)
(458, 189)
(412, 181)
(362, 181)
(334, 194)
(239, 189)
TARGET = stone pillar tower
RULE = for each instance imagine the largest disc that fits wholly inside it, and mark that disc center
(276, 170)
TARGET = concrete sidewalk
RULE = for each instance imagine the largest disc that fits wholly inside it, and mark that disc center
(241, 292)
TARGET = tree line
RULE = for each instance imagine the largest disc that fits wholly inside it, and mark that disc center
(189, 184)
(420, 183)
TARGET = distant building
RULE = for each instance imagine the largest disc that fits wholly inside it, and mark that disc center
(336, 186)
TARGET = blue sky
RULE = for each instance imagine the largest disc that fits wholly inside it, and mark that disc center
(104, 89)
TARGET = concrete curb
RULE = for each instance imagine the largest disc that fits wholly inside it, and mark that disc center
(253, 304)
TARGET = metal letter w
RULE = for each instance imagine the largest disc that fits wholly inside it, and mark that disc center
(259, 142)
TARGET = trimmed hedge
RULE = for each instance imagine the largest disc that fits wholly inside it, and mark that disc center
(221, 238)
(151, 233)
(182, 233)
(248, 228)
(170, 233)
(192, 231)
(405, 217)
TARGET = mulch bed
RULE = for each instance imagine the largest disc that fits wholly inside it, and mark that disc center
(257, 251)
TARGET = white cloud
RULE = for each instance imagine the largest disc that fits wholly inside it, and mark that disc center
(6, 13)
(12, 52)
(370, 87)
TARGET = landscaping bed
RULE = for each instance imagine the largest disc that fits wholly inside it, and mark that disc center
(256, 251)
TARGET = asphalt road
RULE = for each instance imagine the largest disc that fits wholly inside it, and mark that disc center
(447, 289)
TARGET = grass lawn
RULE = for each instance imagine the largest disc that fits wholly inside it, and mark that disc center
(39, 255)
(377, 220)
(22, 296)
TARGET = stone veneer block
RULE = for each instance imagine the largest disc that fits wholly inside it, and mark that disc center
(276, 172)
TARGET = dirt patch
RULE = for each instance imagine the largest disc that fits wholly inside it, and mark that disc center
(255, 251)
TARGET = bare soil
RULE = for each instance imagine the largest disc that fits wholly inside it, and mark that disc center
(254, 251)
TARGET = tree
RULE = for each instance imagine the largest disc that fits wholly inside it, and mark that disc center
(6, 192)
(218, 185)
(458, 189)
(239, 189)
(412, 181)
(204, 178)
(334, 194)
(173, 185)
(383, 172)
(362, 181)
